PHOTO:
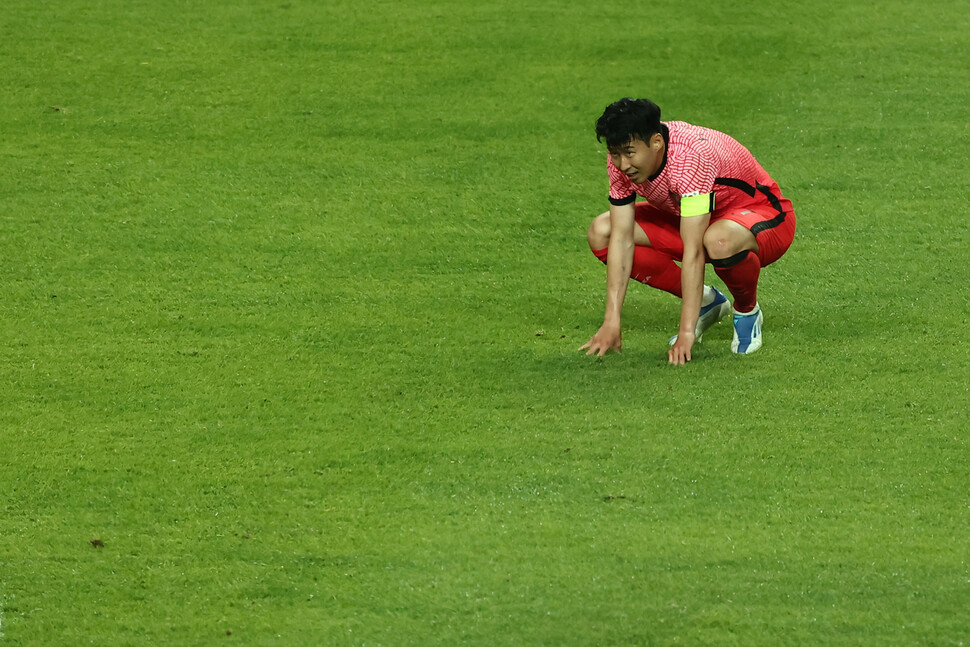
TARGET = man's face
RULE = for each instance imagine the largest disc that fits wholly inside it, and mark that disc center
(639, 159)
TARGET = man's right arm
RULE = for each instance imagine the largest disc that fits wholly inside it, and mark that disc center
(619, 263)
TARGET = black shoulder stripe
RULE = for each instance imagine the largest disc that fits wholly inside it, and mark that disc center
(750, 190)
(772, 198)
(737, 184)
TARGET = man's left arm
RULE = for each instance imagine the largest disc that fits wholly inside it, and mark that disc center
(692, 230)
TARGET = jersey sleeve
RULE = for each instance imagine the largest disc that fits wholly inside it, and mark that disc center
(621, 188)
(694, 183)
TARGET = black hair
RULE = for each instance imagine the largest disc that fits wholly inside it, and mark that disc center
(626, 120)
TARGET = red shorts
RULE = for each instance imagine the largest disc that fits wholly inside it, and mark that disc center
(773, 230)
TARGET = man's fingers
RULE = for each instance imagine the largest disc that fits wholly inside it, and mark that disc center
(600, 348)
(678, 359)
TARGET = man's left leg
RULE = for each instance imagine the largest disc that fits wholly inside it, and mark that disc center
(732, 250)
(738, 255)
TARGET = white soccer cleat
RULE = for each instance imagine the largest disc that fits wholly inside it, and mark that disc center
(710, 315)
(747, 331)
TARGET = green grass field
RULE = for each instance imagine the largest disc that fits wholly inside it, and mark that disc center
(292, 294)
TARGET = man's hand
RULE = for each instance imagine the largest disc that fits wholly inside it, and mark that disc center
(679, 353)
(607, 338)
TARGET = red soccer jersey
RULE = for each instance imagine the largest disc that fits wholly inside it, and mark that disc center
(699, 161)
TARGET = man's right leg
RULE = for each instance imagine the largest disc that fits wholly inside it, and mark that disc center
(657, 245)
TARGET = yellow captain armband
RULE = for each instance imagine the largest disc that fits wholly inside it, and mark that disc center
(696, 204)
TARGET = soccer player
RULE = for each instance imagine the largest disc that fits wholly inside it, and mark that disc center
(706, 200)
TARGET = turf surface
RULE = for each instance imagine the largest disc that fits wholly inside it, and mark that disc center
(292, 297)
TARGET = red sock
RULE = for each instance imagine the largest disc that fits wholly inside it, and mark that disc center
(740, 274)
(653, 268)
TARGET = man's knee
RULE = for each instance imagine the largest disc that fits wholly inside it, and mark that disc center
(725, 238)
(598, 234)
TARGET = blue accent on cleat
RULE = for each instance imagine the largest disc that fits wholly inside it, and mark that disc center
(747, 332)
(710, 315)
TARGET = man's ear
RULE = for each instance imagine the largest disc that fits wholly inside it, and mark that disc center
(656, 141)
